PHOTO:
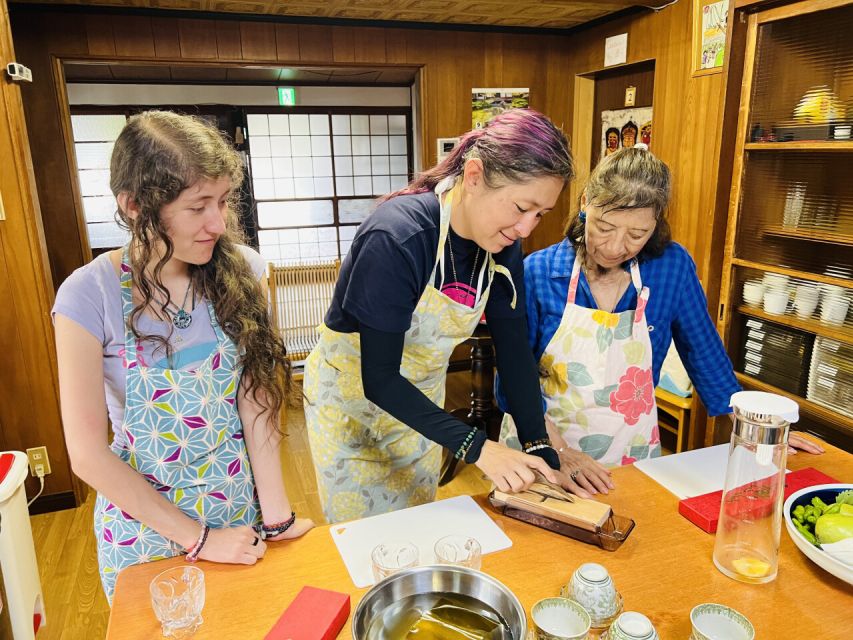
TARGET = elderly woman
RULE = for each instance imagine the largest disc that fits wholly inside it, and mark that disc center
(603, 306)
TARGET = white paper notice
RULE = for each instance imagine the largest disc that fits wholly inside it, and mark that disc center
(616, 50)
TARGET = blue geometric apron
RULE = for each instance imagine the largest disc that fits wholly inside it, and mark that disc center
(183, 433)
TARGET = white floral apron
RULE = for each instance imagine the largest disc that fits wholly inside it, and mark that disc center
(183, 433)
(366, 461)
(596, 379)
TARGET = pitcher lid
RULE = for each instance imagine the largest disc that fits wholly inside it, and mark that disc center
(762, 406)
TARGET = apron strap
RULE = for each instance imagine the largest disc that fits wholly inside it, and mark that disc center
(573, 282)
(499, 268)
(642, 292)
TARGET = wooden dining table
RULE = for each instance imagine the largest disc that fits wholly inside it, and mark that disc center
(662, 570)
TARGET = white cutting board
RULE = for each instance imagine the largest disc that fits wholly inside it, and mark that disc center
(422, 525)
(694, 473)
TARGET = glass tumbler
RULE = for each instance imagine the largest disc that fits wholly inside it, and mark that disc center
(177, 596)
(460, 550)
(390, 557)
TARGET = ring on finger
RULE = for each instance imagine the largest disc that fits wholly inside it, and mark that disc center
(255, 541)
(574, 475)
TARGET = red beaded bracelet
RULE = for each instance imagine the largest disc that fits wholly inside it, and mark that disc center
(272, 530)
(193, 551)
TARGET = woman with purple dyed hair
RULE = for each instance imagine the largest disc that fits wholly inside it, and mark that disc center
(422, 270)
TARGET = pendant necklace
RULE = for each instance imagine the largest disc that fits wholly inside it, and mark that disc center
(463, 298)
(180, 318)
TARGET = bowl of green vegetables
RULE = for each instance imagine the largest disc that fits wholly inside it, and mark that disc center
(819, 520)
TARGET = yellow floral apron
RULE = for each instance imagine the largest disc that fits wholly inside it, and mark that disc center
(366, 461)
(596, 379)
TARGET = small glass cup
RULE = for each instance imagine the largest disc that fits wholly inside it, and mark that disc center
(177, 596)
(459, 550)
(390, 557)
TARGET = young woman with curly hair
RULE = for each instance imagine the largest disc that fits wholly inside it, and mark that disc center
(169, 338)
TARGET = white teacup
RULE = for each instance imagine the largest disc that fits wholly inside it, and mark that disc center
(805, 307)
(807, 292)
(753, 292)
(834, 310)
(592, 587)
(711, 621)
(775, 302)
(632, 626)
(776, 281)
(560, 619)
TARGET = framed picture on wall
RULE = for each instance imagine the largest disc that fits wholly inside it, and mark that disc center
(710, 19)
(625, 128)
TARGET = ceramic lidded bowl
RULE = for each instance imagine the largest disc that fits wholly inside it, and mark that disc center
(559, 619)
(592, 587)
(713, 621)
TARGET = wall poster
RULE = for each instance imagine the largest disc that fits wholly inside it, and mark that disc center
(625, 128)
(487, 103)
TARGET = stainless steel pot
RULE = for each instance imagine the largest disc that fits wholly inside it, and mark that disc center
(439, 579)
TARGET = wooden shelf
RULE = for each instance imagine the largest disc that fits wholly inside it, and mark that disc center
(810, 235)
(842, 333)
(801, 145)
(807, 407)
(794, 273)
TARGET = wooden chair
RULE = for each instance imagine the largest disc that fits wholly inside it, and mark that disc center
(300, 294)
(677, 407)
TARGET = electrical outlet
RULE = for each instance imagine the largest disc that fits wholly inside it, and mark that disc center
(37, 457)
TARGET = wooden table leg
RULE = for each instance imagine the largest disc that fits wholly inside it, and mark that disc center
(482, 412)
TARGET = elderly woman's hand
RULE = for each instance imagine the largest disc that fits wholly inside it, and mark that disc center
(581, 474)
(797, 441)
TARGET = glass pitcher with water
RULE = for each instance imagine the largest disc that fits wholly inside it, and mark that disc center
(747, 542)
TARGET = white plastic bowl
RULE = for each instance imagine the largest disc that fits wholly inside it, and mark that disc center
(820, 557)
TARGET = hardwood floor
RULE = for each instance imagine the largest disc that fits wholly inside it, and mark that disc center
(75, 604)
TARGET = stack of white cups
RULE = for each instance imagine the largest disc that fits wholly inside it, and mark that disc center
(776, 293)
(806, 299)
(834, 304)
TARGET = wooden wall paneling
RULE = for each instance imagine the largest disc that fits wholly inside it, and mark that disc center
(258, 41)
(493, 63)
(343, 46)
(167, 40)
(99, 34)
(396, 46)
(315, 43)
(229, 40)
(197, 38)
(30, 408)
(287, 42)
(34, 41)
(369, 45)
(133, 36)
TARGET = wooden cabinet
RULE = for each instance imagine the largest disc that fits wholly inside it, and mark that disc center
(786, 310)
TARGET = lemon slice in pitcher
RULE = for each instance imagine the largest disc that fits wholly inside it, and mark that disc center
(751, 567)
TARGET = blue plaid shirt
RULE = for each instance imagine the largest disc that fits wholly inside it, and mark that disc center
(677, 310)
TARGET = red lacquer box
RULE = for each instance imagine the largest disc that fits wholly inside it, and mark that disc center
(314, 614)
(704, 510)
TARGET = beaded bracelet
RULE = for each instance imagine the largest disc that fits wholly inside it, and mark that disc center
(193, 551)
(528, 446)
(463, 448)
(537, 447)
(272, 530)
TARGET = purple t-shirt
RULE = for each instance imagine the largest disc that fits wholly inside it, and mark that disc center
(91, 297)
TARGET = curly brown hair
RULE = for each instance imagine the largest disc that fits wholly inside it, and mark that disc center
(157, 155)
